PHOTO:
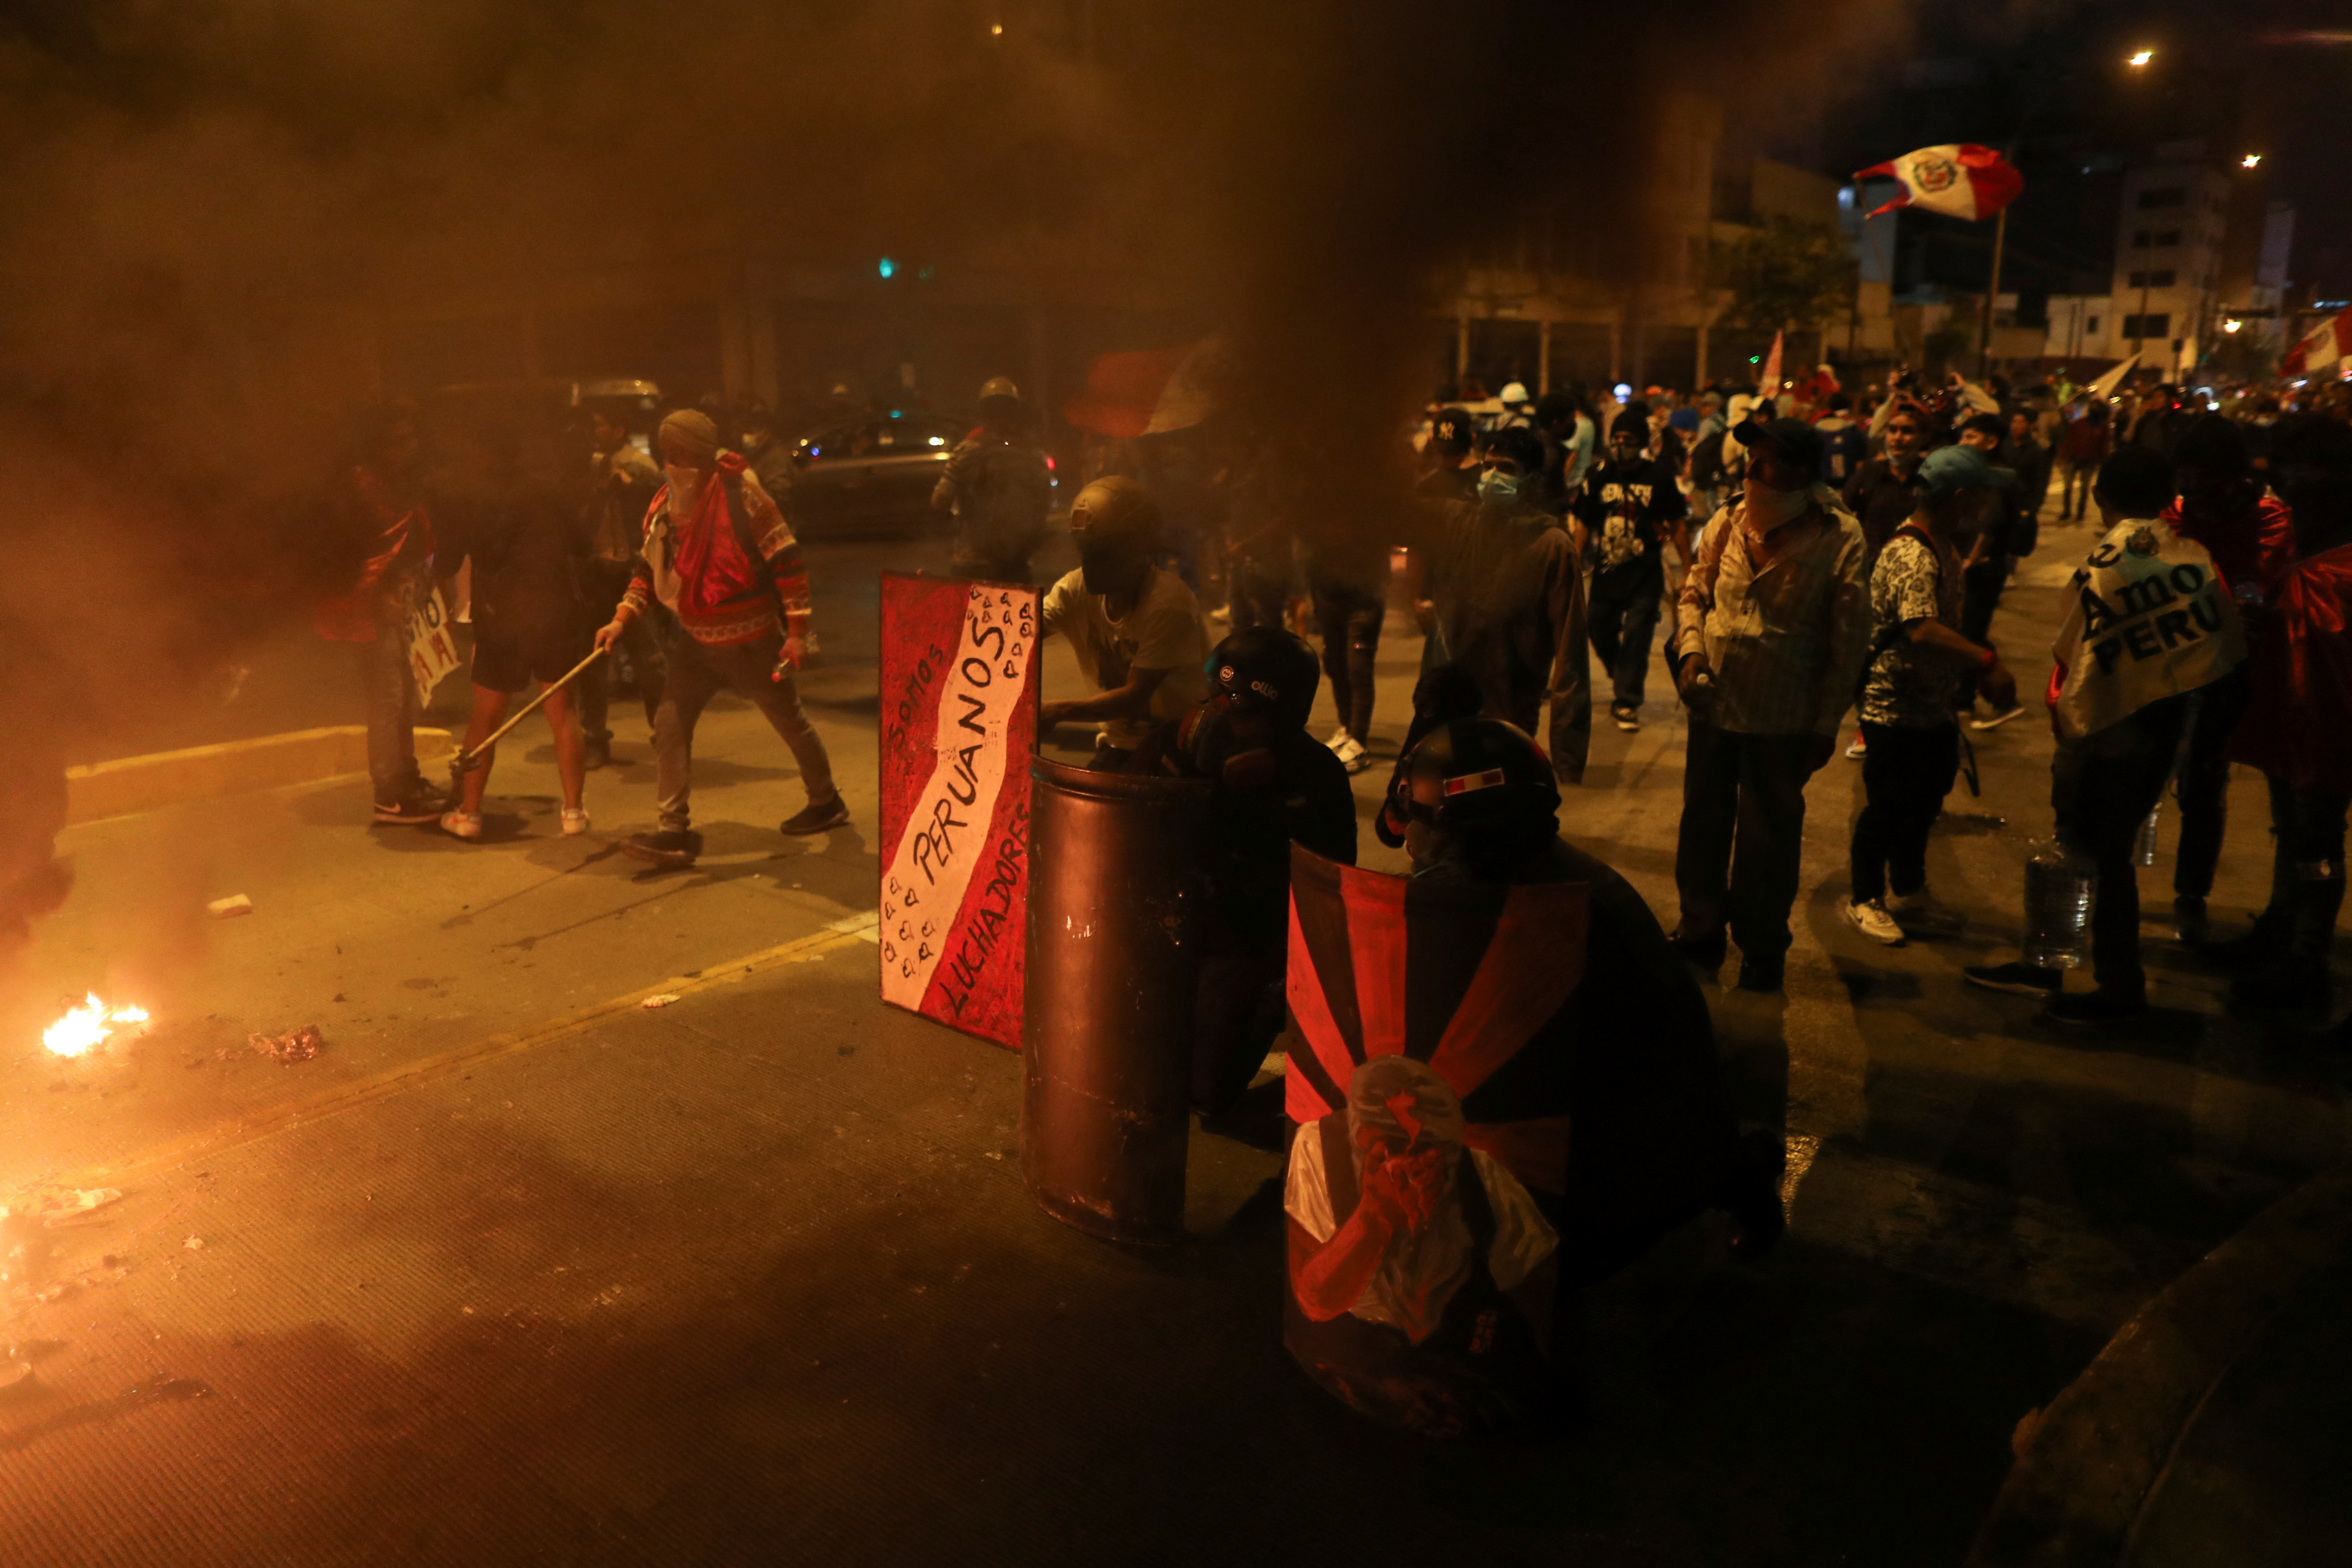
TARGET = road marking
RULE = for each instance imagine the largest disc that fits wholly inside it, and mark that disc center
(835, 936)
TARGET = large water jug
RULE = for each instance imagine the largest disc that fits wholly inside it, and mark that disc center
(2145, 853)
(2060, 890)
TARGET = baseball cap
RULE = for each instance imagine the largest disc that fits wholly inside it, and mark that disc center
(1792, 439)
(1956, 467)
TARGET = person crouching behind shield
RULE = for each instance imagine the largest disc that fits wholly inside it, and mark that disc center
(1421, 1271)
(1136, 629)
(1271, 784)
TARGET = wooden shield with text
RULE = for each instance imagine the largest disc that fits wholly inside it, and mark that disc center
(1463, 977)
(959, 721)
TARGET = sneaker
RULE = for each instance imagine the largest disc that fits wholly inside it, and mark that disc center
(1760, 974)
(2092, 1007)
(1860, 749)
(1358, 761)
(670, 846)
(462, 823)
(1628, 718)
(1221, 614)
(2018, 979)
(417, 805)
(1870, 917)
(1349, 749)
(815, 818)
(1338, 738)
(1705, 953)
(576, 821)
(596, 753)
(1995, 721)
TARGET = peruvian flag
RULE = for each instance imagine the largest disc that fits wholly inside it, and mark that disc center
(1963, 180)
(2321, 347)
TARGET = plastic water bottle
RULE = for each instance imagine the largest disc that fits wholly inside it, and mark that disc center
(2061, 891)
(2145, 853)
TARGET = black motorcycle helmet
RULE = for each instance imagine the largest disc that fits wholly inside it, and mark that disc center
(1264, 670)
(1478, 776)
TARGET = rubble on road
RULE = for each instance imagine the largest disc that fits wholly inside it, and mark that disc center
(294, 1046)
(225, 908)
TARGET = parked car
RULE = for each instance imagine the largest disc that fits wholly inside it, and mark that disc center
(874, 475)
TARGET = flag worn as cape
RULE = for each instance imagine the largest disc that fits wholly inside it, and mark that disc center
(1962, 180)
(2146, 618)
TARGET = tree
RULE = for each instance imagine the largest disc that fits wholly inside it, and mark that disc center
(1789, 274)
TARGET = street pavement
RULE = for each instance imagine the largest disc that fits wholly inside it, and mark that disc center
(518, 1269)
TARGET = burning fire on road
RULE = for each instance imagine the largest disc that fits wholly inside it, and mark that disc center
(89, 1025)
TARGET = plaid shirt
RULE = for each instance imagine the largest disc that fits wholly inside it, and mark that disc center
(1787, 639)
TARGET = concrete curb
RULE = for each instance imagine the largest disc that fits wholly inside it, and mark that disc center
(129, 784)
(2088, 1465)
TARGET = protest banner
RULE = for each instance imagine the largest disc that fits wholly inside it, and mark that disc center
(432, 651)
(959, 723)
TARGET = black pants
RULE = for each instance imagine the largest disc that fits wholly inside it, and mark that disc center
(1905, 777)
(1622, 622)
(1350, 621)
(1237, 1015)
(2306, 869)
(2102, 788)
(1980, 587)
(2202, 785)
(1742, 835)
(1258, 594)
(2072, 502)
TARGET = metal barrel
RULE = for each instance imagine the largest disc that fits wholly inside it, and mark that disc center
(1106, 1030)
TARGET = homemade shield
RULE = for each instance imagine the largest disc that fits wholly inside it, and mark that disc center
(959, 693)
(1461, 977)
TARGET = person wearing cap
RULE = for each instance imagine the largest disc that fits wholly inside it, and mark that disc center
(999, 489)
(2148, 624)
(719, 555)
(1271, 786)
(1506, 601)
(1917, 650)
(1631, 509)
(1773, 630)
(1448, 470)
(1134, 626)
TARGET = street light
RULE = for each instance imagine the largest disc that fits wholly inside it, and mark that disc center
(2142, 57)
(2233, 325)
(2251, 161)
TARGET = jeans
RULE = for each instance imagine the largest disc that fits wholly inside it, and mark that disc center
(1622, 622)
(1350, 621)
(1905, 776)
(1742, 835)
(2202, 785)
(1257, 595)
(697, 671)
(2102, 788)
(1980, 587)
(2307, 869)
(2071, 505)
(388, 691)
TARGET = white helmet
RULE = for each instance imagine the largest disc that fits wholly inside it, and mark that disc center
(1513, 394)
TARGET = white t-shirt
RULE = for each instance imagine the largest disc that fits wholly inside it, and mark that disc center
(1161, 632)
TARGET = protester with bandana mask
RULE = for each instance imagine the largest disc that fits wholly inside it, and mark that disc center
(1135, 629)
(1508, 601)
(1773, 628)
(719, 555)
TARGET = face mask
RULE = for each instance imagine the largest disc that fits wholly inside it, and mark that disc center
(1767, 507)
(1106, 565)
(1498, 489)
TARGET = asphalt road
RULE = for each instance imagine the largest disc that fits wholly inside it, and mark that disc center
(516, 1270)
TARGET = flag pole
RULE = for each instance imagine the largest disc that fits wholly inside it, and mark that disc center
(1992, 293)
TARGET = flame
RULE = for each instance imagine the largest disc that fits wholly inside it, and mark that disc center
(87, 1026)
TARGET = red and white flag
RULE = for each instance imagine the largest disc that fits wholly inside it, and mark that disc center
(1768, 379)
(1148, 391)
(2321, 347)
(1962, 180)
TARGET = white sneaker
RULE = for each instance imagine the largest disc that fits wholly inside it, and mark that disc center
(1349, 749)
(1338, 738)
(462, 823)
(1995, 721)
(1872, 920)
(1861, 748)
(575, 822)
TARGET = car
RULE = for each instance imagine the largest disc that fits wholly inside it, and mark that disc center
(873, 475)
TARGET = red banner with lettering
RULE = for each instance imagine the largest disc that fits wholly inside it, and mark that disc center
(959, 695)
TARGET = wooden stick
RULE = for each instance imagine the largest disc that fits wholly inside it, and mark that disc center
(469, 758)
